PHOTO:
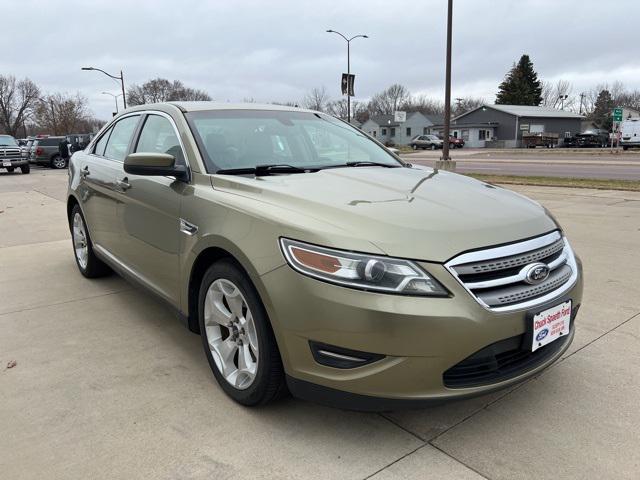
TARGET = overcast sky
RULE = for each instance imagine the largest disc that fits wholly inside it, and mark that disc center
(277, 50)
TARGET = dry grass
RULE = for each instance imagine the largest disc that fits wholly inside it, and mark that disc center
(631, 185)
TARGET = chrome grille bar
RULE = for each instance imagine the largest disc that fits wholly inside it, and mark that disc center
(496, 277)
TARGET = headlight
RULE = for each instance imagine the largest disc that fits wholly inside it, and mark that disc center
(356, 270)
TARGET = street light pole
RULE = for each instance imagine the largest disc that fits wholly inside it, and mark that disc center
(447, 88)
(348, 40)
(348, 82)
(115, 98)
(115, 77)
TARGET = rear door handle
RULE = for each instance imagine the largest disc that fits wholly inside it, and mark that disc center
(124, 183)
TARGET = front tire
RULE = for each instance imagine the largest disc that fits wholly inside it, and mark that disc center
(433, 147)
(237, 337)
(89, 265)
(10, 169)
(414, 146)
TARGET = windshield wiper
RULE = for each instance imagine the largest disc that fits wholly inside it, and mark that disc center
(371, 164)
(264, 170)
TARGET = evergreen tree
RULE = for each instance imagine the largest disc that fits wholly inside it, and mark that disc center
(521, 85)
(602, 110)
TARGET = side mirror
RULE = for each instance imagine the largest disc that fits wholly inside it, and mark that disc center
(157, 164)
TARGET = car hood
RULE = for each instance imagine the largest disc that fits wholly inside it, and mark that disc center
(416, 213)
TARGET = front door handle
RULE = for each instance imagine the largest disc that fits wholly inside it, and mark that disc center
(85, 172)
(124, 183)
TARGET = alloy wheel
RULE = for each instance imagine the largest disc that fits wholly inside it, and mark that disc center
(80, 241)
(59, 162)
(231, 333)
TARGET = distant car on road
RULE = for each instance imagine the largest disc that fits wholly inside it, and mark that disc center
(630, 133)
(46, 151)
(426, 141)
(12, 156)
(455, 142)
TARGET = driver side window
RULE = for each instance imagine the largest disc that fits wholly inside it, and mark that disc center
(159, 136)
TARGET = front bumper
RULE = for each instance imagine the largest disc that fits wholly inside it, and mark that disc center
(15, 163)
(420, 338)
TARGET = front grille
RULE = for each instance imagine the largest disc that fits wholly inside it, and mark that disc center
(501, 361)
(497, 277)
(10, 154)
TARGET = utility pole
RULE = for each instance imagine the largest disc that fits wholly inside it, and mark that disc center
(581, 99)
(447, 89)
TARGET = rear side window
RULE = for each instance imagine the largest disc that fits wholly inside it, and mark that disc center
(158, 136)
(120, 137)
(50, 142)
(100, 144)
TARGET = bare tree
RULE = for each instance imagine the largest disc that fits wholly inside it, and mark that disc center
(465, 104)
(553, 95)
(163, 90)
(359, 110)
(629, 99)
(60, 114)
(18, 99)
(316, 99)
(424, 104)
(389, 100)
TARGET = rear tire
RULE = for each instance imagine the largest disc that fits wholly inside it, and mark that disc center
(10, 169)
(58, 162)
(24, 169)
(89, 265)
(231, 304)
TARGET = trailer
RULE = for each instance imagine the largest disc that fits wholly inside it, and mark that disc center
(542, 139)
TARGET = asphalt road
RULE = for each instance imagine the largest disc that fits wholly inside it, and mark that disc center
(600, 164)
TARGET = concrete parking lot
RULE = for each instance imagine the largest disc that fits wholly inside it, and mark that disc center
(108, 384)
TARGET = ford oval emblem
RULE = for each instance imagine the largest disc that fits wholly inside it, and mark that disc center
(541, 334)
(535, 273)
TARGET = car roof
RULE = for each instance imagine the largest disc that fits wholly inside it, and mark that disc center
(205, 106)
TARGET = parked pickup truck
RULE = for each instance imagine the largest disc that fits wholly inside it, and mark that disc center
(12, 156)
(543, 139)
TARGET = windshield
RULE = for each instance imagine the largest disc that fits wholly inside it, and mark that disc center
(8, 141)
(432, 137)
(239, 139)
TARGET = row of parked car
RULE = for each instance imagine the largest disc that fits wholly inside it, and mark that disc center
(43, 150)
